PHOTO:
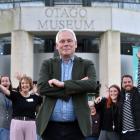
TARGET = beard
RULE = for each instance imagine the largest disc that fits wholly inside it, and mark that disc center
(128, 88)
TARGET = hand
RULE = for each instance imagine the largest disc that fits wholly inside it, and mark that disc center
(55, 82)
(98, 100)
(4, 90)
(85, 78)
(19, 75)
(34, 88)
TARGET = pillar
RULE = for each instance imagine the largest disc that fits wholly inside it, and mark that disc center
(109, 60)
(21, 54)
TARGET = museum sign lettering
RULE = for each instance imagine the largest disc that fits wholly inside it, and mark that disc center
(57, 18)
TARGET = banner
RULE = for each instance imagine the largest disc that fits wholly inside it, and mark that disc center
(135, 64)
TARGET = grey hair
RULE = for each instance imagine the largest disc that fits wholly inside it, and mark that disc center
(63, 30)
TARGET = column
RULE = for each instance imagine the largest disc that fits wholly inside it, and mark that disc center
(109, 60)
(21, 54)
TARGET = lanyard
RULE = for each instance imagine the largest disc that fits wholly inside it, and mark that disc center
(7, 106)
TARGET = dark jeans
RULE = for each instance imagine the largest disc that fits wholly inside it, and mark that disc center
(63, 131)
(91, 138)
(134, 135)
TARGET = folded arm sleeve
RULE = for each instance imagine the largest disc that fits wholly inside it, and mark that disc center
(83, 86)
(46, 73)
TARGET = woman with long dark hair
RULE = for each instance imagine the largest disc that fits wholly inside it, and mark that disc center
(5, 109)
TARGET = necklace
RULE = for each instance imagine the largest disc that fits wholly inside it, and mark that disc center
(113, 126)
(114, 110)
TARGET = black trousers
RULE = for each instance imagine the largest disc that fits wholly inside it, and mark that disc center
(133, 135)
(63, 131)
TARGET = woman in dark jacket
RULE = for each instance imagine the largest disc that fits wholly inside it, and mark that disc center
(108, 108)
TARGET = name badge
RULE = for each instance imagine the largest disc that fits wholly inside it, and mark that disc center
(30, 100)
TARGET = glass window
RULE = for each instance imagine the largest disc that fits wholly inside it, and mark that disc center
(127, 43)
(85, 44)
(5, 45)
(126, 48)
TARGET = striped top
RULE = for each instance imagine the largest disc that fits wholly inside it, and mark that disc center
(127, 120)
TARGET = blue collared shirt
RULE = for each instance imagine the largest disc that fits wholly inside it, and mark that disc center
(64, 111)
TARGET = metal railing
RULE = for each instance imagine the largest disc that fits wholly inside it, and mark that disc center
(6, 4)
(5, 1)
(124, 4)
(129, 4)
(70, 2)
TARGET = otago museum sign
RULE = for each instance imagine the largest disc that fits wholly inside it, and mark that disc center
(55, 18)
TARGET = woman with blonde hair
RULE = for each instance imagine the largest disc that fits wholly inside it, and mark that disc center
(23, 126)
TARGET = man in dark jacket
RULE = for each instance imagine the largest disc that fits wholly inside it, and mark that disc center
(64, 82)
(130, 107)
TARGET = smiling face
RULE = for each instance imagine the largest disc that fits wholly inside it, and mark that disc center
(113, 93)
(127, 83)
(66, 44)
(25, 86)
(5, 81)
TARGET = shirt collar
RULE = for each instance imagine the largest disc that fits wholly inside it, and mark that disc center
(70, 59)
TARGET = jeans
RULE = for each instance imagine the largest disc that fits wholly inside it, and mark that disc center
(4, 134)
(38, 137)
(132, 135)
(91, 138)
(108, 135)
